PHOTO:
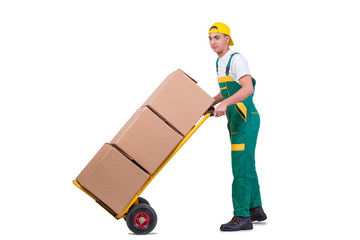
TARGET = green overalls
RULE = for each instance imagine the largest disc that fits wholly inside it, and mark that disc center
(243, 126)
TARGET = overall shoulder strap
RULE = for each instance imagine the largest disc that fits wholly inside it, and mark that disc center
(228, 65)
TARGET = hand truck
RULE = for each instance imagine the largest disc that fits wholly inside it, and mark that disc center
(140, 217)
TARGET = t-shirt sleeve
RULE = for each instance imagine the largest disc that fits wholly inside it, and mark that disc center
(240, 67)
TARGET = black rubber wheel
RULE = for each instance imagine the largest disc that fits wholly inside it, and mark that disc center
(141, 219)
(143, 200)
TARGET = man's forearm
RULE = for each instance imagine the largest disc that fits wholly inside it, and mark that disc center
(239, 96)
(218, 98)
(246, 90)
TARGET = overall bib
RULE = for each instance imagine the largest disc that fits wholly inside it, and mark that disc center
(243, 125)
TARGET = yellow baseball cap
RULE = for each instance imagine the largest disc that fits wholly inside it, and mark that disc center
(222, 28)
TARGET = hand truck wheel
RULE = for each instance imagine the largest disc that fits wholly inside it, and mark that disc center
(143, 200)
(141, 219)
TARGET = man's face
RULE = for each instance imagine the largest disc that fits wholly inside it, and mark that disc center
(218, 42)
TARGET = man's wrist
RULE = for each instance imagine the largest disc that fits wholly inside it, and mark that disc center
(226, 102)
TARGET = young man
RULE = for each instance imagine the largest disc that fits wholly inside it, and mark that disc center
(236, 102)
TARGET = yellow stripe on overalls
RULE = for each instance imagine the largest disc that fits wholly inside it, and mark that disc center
(238, 147)
(225, 79)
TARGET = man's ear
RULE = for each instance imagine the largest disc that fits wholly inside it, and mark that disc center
(227, 39)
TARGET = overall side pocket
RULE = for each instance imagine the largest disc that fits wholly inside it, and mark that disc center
(255, 121)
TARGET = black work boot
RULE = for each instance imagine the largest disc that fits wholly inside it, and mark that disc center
(237, 223)
(257, 214)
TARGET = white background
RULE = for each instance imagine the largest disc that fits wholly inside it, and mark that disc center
(73, 72)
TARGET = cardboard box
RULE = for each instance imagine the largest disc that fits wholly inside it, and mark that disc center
(180, 101)
(147, 139)
(112, 178)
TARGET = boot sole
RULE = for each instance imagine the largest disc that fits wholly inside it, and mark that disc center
(258, 218)
(245, 227)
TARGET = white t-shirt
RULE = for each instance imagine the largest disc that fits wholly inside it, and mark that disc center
(238, 66)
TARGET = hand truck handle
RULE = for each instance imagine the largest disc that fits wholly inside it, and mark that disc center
(211, 109)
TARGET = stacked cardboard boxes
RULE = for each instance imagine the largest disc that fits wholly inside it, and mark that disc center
(119, 170)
